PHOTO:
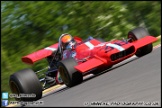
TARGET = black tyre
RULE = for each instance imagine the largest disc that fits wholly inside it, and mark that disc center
(137, 34)
(26, 82)
(68, 73)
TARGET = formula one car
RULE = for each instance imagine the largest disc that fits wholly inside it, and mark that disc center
(91, 56)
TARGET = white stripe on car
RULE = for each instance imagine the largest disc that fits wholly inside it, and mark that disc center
(91, 46)
(51, 49)
(115, 46)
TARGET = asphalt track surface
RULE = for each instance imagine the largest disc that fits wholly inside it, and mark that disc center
(133, 82)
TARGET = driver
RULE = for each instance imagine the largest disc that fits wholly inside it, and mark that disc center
(68, 45)
(68, 42)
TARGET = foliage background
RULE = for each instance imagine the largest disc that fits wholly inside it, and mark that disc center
(27, 26)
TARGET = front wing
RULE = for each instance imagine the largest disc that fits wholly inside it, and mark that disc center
(98, 60)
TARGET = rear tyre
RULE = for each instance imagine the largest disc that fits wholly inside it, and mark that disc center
(68, 73)
(26, 82)
(137, 34)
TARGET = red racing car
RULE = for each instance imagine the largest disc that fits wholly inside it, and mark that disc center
(90, 56)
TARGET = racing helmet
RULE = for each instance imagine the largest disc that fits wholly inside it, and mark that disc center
(67, 41)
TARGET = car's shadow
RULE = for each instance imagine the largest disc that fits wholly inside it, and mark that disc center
(113, 68)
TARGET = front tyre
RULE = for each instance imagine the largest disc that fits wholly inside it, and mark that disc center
(137, 34)
(69, 74)
(26, 82)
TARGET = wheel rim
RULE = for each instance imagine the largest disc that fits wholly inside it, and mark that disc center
(15, 89)
(64, 75)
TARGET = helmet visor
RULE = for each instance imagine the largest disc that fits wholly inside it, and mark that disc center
(70, 45)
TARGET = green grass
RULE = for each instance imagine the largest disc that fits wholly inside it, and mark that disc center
(157, 42)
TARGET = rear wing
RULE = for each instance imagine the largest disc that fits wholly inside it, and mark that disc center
(43, 53)
(40, 54)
